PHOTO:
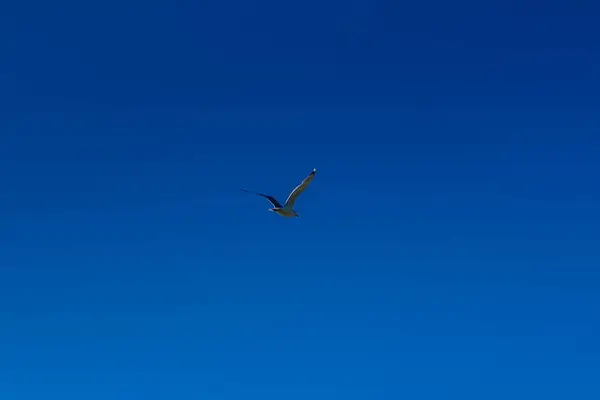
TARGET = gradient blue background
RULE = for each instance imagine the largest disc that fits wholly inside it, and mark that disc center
(448, 247)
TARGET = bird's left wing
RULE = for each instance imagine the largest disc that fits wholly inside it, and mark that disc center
(272, 199)
(299, 189)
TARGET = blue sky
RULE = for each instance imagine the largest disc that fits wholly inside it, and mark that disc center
(447, 248)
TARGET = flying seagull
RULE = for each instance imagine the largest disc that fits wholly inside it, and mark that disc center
(287, 210)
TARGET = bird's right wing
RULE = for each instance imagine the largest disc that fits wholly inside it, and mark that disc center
(299, 189)
(272, 199)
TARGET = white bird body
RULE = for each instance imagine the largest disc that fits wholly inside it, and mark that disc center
(287, 210)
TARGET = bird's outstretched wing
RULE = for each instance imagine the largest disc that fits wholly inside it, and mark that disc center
(299, 189)
(272, 199)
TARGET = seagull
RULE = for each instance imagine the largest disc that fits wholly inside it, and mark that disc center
(287, 210)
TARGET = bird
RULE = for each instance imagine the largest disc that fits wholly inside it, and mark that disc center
(287, 210)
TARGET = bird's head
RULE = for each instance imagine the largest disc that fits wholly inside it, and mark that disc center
(296, 214)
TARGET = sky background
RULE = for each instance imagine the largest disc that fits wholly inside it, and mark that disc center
(448, 247)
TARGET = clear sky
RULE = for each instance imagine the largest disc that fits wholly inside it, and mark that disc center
(448, 247)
